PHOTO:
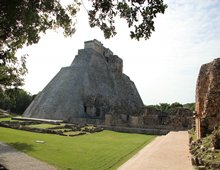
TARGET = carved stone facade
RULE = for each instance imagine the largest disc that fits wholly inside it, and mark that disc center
(208, 98)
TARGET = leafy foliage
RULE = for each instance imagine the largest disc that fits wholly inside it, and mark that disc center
(5, 102)
(216, 137)
(166, 107)
(15, 100)
(23, 21)
(139, 15)
(163, 107)
(190, 106)
(176, 105)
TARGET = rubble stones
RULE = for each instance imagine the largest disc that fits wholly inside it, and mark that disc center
(203, 156)
(59, 130)
(201, 168)
(216, 137)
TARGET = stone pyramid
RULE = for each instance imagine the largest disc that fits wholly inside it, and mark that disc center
(90, 87)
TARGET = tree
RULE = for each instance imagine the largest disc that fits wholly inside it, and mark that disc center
(176, 105)
(22, 101)
(23, 21)
(164, 107)
(15, 100)
(139, 15)
(5, 102)
(190, 106)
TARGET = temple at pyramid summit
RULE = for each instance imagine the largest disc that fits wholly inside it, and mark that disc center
(92, 86)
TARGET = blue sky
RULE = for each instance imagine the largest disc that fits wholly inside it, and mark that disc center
(164, 68)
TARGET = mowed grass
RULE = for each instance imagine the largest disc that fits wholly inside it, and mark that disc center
(5, 119)
(103, 150)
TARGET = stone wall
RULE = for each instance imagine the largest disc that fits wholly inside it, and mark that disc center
(151, 118)
(83, 121)
(208, 98)
(95, 45)
(177, 119)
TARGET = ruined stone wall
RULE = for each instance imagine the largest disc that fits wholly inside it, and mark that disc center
(177, 119)
(202, 88)
(151, 118)
(208, 97)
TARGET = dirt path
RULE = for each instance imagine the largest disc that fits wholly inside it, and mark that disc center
(170, 152)
(15, 160)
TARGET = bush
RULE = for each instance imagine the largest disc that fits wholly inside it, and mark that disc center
(15, 100)
(216, 138)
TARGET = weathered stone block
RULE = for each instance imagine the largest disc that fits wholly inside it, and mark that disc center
(108, 119)
(124, 117)
(134, 121)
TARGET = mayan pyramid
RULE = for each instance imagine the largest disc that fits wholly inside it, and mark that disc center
(93, 85)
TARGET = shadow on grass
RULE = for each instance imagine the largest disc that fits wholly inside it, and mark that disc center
(24, 147)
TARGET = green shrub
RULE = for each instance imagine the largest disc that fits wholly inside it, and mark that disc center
(216, 138)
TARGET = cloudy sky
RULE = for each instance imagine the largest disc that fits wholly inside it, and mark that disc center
(164, 68)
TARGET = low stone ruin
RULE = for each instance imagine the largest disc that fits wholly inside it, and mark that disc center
(58, 129)
(4, 114)
(208, 98)
(205, 143)
(151, 118)
(177, 119)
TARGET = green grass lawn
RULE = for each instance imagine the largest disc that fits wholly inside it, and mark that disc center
(9, 119)
(103, 150)
(72, 133)
(5, 119)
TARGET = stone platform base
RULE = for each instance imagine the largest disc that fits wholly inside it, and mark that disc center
(136, 130)
(39, 120)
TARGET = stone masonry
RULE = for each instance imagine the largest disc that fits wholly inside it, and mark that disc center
(208, 98)
(92, 86)
(151, 118)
